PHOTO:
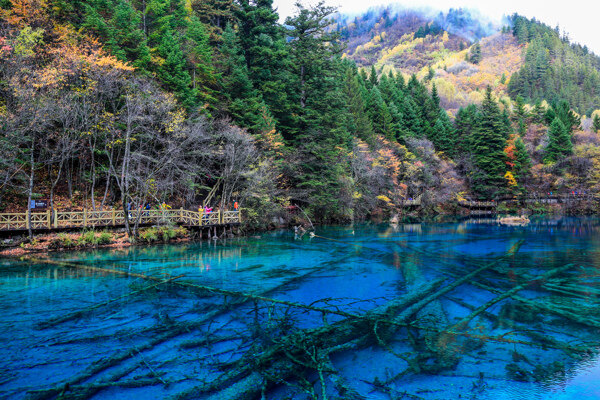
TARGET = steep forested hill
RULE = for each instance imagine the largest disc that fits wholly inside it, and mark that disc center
(109, 102)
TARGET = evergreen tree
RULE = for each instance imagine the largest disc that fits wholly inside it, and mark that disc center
(215, 15)
(412, 118)
(245, 103)
(596, 123)
(359, 122)
(522, 163)
(264, 45)
(379, 114)
(128, 41)
(200, 58)
(173, 70)
(563, 111)
(466, 124)
(444, 134)
(559, 142)
(520, 115)
(373, 77)
(475, 54)
(488, 149)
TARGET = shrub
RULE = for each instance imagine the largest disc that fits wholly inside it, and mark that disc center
(104, 238)
(87, 239)
(149, 235)
(164, 233)
(62, 241)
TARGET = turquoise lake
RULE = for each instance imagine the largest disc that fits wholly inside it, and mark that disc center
(303, 317)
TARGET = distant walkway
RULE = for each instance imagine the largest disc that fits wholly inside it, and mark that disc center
(562, 198)
(61, 220)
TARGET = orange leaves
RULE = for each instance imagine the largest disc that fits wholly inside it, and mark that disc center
(23, 13)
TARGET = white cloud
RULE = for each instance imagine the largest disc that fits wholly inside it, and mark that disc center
(577, 17)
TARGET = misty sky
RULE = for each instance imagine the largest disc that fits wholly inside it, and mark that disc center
(578, 17)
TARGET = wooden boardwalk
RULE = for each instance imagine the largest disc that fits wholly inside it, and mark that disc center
(61, 220)
(533, 198)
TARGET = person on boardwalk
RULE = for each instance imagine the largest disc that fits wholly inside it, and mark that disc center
(236, 206)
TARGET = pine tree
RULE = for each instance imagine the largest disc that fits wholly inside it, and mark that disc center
(215, 15)
(245, 103)
(522, 163)
(475, 54)
(466, 124)
(173, 71)
(444, 134)
(412, 118)
(200, 58)
(359, 122)
(129, 42)
(263, 43)
(373, 77)
(379, 114)
(559, 142)
(488, 149)
(563, 111)
(596, 123)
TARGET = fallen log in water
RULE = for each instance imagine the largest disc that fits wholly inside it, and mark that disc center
(170, 333)
(568, 313)
(78, 314)
(287, 354)
(544, 340)
(465, 321)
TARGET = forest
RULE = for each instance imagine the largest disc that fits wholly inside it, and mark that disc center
(111, 102)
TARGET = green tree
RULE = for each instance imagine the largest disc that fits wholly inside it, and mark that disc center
(200, 62)
(263, 43)
(215, 15)
(596, 123)
(559, 142)
(522, 163)
(488, 145)
(244, 101)
(563, 111)
(359, 122)
(466, 123)
(475, 53)
(173, 71)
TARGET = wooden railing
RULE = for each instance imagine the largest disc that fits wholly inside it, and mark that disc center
(477, 204)
(412, 202)
(99, 219)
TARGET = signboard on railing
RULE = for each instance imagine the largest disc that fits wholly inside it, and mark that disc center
(38, 204)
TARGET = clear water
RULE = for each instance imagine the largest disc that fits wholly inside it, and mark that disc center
(134, 339)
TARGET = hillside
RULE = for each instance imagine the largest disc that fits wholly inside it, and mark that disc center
(525, 57)
(116, 102)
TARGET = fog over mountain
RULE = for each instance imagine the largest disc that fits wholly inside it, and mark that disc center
(576, 17)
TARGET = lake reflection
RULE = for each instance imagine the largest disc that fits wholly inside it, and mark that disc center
(519, 320)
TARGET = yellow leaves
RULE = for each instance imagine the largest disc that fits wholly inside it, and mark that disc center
(357, 195)
(386, 200)
(510, 179)
(460, 196)
(27, 40)
(175, 121)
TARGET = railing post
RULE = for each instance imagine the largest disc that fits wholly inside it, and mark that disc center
(181, 214)
(114, 217)
(200, 215)
(84, 218)
(240, 216)
(49, 218)
(55, 218)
